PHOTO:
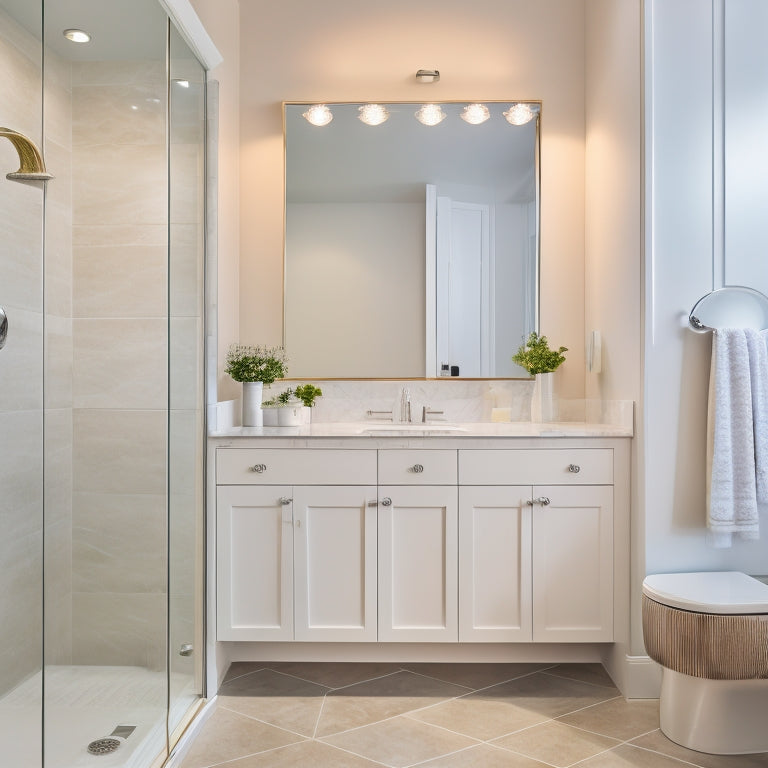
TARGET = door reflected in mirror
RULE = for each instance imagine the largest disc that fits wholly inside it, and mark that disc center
(410, 247)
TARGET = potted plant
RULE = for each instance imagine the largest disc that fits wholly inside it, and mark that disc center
(255, 366)
(540, 361)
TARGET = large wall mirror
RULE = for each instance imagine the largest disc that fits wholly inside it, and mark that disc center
(411, 250)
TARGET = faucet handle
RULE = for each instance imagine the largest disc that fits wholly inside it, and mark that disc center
(427, 411)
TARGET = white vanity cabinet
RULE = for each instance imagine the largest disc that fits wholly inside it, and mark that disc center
(296, 561)
(536, 561)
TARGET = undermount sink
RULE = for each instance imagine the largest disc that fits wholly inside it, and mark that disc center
(401, 429)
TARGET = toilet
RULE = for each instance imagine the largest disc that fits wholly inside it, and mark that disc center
(709, 632)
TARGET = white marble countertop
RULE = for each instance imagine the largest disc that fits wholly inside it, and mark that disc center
(430, 430)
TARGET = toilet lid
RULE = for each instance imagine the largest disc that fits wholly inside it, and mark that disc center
(711, 592)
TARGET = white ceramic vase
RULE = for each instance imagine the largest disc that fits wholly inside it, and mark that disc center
(543, 405)
(252, 395)
(291, 415)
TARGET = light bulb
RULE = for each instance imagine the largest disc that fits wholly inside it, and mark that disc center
(373, 114)
(519, 114)
(318, 114)
(474, 114)
(430, 114)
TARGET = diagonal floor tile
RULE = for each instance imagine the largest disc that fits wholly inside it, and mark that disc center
(631, 757)
(502, 709)
(277, 699)
(483, 756)
(240, 668)
(587, 673)
(399, 742)
(227, 735)
(557, 744)
(335, 674)
(474, 675)
(379, 699)
(618, 718)
(307, 754)
(658, 742)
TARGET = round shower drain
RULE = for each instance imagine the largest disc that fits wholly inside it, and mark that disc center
(103, 746)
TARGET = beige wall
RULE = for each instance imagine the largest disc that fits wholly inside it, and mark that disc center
(345, 50)
(221, 19)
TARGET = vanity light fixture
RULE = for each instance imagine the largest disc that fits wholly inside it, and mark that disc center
(76, 35)
(430, 114)
(373, 114)
(474, 114)
(519, 114)
(318, 114)
(427, 76)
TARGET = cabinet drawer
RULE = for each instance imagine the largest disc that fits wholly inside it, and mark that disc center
(417, 467)
(295, 466)
(566, 466)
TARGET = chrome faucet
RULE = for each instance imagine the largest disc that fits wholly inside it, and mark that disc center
(427, 411)
(405, 405)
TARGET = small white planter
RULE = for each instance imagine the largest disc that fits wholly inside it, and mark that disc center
(252, 395)
(270, 414)
(290, 415)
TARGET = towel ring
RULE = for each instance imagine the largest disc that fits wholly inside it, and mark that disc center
(733, 306)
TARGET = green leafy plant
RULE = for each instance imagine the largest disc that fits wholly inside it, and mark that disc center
(307, 394)
(284, 397)
(536, 356)
(250, 363)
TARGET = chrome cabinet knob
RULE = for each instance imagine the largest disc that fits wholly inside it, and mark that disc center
(386, 501)
(259, 468)
(417, 468)
(284, 500)
(574, 468)
(3, 327)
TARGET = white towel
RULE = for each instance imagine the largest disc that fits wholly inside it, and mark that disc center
(731, 487)
(758, 371)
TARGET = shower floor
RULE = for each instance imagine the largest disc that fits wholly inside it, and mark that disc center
(83, 704)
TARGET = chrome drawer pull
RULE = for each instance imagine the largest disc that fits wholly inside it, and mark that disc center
(543, 500)
(259, 468)
(417, 468)
(386, 501)
(574, 468)
(284, 500)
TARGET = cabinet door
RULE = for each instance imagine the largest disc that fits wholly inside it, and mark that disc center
(573, 564)
(254, 563)
(494, 564)
(335, 563)
(418, 553)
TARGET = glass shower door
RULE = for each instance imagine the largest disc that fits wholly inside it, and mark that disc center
(21, 396)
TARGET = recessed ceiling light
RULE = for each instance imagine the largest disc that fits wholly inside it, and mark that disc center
(76, 35)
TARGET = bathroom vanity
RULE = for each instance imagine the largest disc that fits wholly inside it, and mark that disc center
(490, 534)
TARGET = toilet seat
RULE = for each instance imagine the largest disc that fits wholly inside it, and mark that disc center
(715, 592)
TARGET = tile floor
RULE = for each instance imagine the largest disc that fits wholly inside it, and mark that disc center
(336, 715)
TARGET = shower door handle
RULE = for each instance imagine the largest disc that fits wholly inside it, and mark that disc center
(3, 327)
(186, 650)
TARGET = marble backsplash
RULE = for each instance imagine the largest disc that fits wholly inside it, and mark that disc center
(460, 400)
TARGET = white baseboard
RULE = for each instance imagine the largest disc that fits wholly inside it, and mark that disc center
(642, 678)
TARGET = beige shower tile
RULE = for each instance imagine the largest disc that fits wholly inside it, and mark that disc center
(21, 372)
(120, 281)
(228, 735)
(186, 201)
(58, 100)
(556, 744)
(22, 91)
(108, 235)
(58, 466)
(383, 697)
(493, 712)
(132, 113)
(118, 543)
(119, 184)
(58, 362)
(474, 675)
(119, 451)
(280, 700)
(619, 718)
(118, 72)
(400, 742)
(120, 363)
(186, 358)
(119, 629)
(658, 742)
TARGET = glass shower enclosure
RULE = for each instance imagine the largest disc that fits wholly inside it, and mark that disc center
(101, 385)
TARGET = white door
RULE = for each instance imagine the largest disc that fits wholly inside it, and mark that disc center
(494, 564)
(418, 553)
(254, 563)
(573, 564)
(335, 563)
